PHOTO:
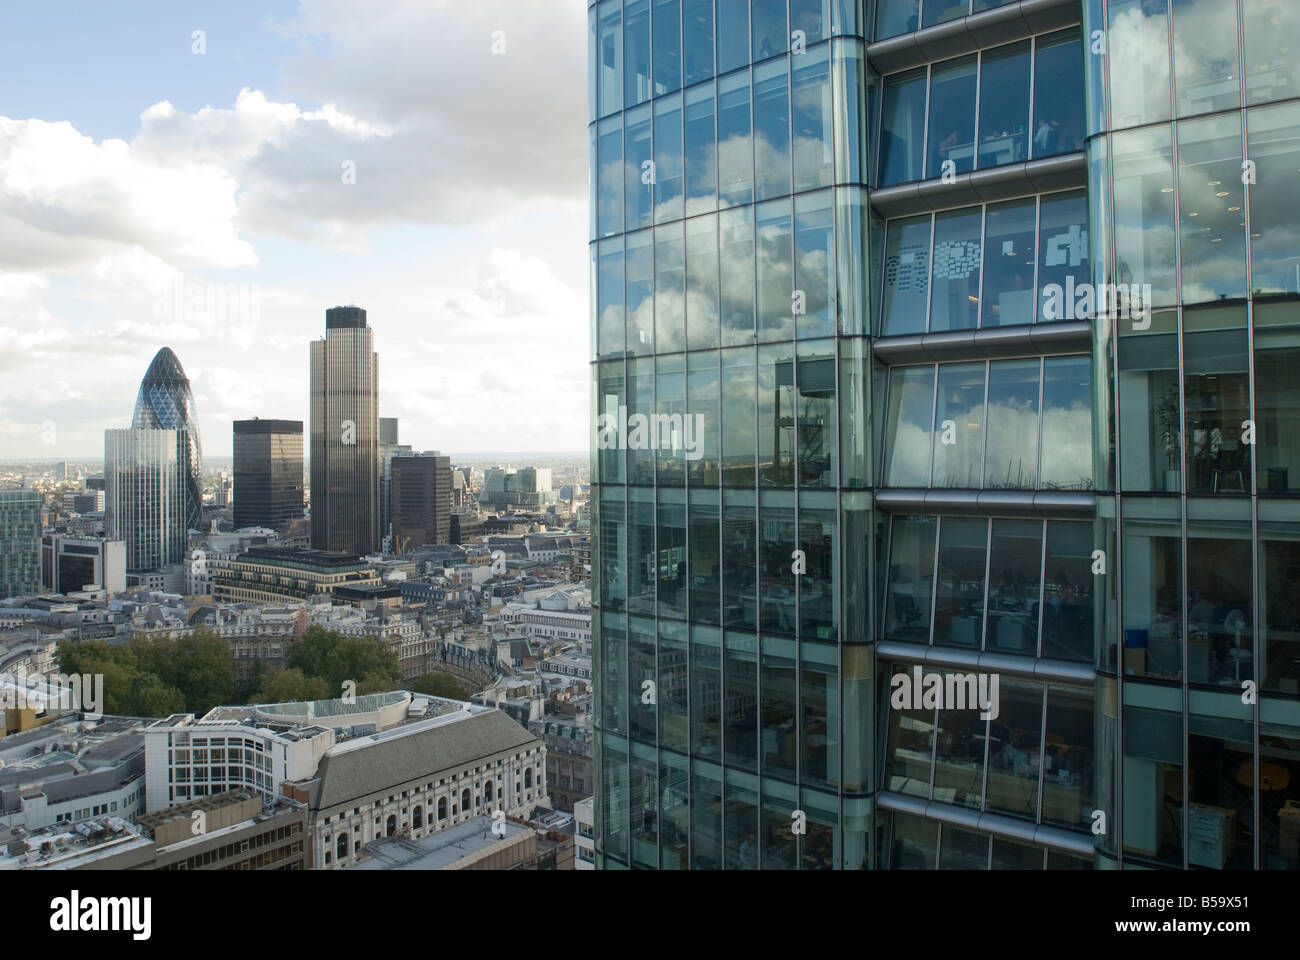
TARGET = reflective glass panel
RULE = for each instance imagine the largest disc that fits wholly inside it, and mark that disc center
(954, 291)
(952, 117)
(1008, 292)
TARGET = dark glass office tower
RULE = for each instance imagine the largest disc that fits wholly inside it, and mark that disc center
(421, 500)
(345, 435)
(980, 312)
(165, 402)
(268, 473)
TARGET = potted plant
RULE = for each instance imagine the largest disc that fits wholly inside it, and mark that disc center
(1167, 411)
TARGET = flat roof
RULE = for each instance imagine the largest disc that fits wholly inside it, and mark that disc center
(438, 850)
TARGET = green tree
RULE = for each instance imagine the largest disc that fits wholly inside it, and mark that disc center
(289, 684)
(202, 667)
(150, 697)
(311, 652)
(440, 684)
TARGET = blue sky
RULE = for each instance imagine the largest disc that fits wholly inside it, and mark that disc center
(132, 168)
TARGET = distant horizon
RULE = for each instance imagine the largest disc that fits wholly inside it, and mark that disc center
(475, 454)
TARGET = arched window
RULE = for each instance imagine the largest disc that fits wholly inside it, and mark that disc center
(528, 778)
(417, 817)
(464, 800)
(341, 846)
(392, 826)
(442, 808)
(487, 793)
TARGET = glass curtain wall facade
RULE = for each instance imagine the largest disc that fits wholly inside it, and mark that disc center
(980, 328)
(146, 496)
(1193, 145)
(345, 467)
(268, 473)
(731, 373)
(20, 542)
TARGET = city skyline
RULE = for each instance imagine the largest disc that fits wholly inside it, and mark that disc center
(217, 178)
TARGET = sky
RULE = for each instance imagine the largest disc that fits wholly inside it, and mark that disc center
(213, 178)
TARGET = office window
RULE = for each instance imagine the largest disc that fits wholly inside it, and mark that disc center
(811, 109)
(638, 179)
(771, 130)
(1004, 105)
(1063, 262)
(1153, 773)
(776, 409)
(907, 276)
(813, 17)
(1273, 137)
(1067, 424)
(1153, 608)
(1058, 94)
(1272, 34)
(706, 692)
(668, 151)
(907, 426)
(702, 411)
(959, 588)
(636, 52)
(818, 540)
(911, 574)
(1205, 56)
(670, 279)
(1011, 460)
(736, 236)
(1211, 203)
(701, 151)
(1015, 573)
(739, 447)
(769, 28)
(775, 239)
(954, 292)
(1217, 406)
(1015, 743)
(739, 557)
(1150, 433)
(732, 34)
(1068, 591)
(903, 128)
(667, 46)
(1137, 49)
(1008, 283)
(815, 412)
(740, 678)
(896, 16)
(610, 58)
(814, 263)
(697, 38)
(952, 117)
(910, 747)
(959, 426)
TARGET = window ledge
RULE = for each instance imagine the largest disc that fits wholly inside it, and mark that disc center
(960, 659)
(1010, 181)
(977, 31)
(990, 343)
(1052, 504)
(1079, 844)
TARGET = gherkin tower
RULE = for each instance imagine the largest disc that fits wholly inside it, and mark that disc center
(165, 402)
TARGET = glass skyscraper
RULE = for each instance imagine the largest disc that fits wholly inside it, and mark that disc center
(345, 467)
(165, 402)
(20, 542)
(153, 471)
(901, 313)
(268, 473)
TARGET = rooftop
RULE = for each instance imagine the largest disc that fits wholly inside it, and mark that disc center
(439, 850)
